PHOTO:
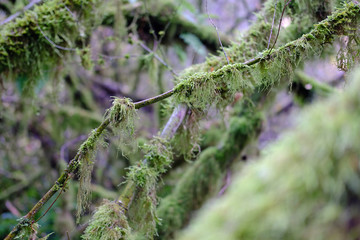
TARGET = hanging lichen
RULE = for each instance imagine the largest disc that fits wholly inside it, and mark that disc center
(86, 156)
(108, 222)
(158, 157)
(122, 115)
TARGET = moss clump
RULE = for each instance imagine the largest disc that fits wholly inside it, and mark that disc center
(305, 187)
(24, 49)
(28, 229)
(158, 155)
(108, 222)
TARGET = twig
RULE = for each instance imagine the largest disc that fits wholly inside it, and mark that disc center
(152, 30)
(158, 58)
(227, 183)
(54, 44)
(47, 210)
(217, 32)
(15, 15)
(281, 18)
(174, 122)
(155, 99)
(272, 25)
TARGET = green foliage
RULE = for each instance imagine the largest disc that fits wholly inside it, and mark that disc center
(304, 185)
(108, 222)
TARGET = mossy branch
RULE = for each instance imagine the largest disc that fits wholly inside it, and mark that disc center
(305, 187)
(23, 47)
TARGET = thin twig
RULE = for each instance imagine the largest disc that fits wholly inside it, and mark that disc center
(152, 30)
(54, 44)
(15, 15)
(155, 99)
(272, 25)
(227, 183)
(169, 22)
(47, 210)
(217, 32)
(281, 18)
(158, 58)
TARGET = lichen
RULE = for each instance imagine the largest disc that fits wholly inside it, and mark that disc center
(158, 157)
(85, 160)
(108, 222)
(122, 115)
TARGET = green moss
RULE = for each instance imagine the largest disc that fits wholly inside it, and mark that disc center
(108, 222)
(201, 180)
(23, 46)
(303, 187)
(201, 89)
(158, 155)
(28, 230)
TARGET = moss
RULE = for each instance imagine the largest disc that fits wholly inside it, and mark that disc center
(303, 187)
(158, 157)
(28, 230)
(215, 82)
(23, 47)
(108, 222)
(201, 180)
(202, 89)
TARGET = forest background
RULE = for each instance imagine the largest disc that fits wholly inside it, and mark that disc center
(179, 119)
